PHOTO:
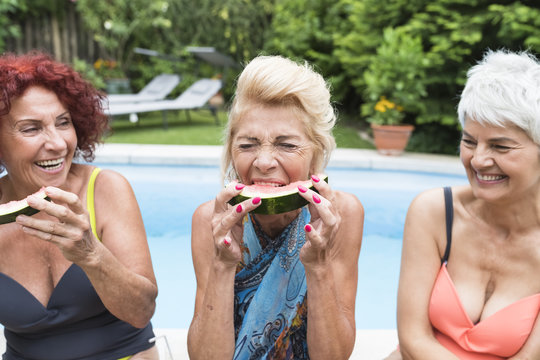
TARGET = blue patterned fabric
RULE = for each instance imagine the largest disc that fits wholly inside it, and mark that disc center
(270, 294)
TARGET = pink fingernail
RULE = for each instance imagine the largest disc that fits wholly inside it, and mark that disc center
(316, 199)
(239, 209)
(315, 178)
(226, 242)
(239, 186)
(256, 200)
(302, 188)
(307, 228)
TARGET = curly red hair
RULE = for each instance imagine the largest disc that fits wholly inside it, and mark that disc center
(83, 101)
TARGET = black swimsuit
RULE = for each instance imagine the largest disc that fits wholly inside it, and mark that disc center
(74, 325)
(449, 207)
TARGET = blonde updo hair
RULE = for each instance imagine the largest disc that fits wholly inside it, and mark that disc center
(277, 81)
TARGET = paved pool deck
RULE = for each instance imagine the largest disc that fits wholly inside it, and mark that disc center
(370, 344)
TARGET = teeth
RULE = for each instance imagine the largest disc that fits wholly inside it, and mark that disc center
(51, 163)
(267, 184)
(490, 177)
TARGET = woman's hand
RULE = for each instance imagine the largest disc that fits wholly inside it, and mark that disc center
(68, 224)
(227, 226)
(324, 224)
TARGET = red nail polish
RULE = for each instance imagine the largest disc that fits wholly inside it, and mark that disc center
(315, 178)
(256, 200)
(226, 242)
(316, 199)
(239, 209)
(307, 228)
(239, 186)
(302, 188)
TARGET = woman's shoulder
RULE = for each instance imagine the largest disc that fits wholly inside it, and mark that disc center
(430, 199)
(348, 203)
(107, 183)
(434, 198)
(204, 211)
(85, 171)
(431, 204)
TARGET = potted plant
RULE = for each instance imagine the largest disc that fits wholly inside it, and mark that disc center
(116, 82)
(389, 134)
(394, 88)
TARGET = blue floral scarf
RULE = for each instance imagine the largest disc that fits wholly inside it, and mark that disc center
(270, 294)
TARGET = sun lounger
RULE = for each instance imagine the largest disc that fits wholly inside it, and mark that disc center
(157, 89)
(193, 98)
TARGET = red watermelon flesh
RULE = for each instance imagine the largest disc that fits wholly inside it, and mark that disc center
(9, 211)
(275, 199)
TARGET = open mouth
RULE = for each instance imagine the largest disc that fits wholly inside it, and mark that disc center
(50, 164)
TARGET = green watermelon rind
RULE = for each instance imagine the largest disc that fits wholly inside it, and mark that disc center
(10, 217)
(276, 204)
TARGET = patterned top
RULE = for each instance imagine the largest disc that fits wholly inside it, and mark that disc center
(270, 313)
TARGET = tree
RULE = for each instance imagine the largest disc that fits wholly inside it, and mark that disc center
(453, 33)
(307, 30)
(116, 23)
(8, 29)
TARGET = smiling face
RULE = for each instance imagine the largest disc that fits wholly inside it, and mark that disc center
(271, 147)
(37, 140)
(501, 162)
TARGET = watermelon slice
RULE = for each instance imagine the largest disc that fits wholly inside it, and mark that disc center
(9, 211)
(275, 200)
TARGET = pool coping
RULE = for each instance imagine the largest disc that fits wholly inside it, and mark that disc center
(211, 155)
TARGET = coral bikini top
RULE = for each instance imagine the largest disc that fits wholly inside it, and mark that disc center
(499, 336)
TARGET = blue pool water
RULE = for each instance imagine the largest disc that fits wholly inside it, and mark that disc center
(168, 196)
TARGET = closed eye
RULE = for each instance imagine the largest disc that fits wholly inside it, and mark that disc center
(501, 147)
(65, 122)
(29, 130)
(246, 146)
(468, 142)
(287, 146)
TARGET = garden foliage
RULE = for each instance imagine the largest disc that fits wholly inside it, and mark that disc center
(413, 53)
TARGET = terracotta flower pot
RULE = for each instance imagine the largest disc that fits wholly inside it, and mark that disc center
(391, 139)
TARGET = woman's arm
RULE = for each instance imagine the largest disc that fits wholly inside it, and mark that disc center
(119, 267)
(330, 257)
(216, 234)
(122, 272)
(423, 238)
(211, 333)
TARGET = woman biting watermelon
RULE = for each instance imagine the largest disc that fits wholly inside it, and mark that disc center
(276, 279)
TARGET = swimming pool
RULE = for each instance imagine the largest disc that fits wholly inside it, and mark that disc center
(168, 196)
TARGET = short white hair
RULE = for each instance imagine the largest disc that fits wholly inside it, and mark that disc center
(503, 89)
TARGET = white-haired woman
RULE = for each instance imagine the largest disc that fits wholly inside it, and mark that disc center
(276, 286)
(469, 285)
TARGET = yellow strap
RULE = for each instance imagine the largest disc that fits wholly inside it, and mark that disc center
(90, 201)
(92, 212)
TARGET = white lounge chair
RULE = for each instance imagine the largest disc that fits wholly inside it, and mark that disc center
(194, 97)
(157, 89)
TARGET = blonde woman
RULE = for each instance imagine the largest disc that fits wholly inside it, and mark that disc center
(279, 286)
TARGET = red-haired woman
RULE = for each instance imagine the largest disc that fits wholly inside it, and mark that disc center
(76, 278)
